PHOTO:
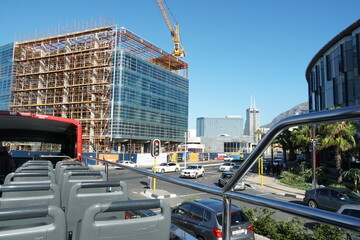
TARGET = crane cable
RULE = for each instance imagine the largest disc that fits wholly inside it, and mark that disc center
(170, 12)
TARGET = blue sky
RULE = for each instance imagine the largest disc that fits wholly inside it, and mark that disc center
(235, 48)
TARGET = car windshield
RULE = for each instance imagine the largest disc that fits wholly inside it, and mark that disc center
(237, 217)
(228, 175)
(226, 164)
(191, 167)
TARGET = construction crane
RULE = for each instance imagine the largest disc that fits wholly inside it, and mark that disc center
(175, 34)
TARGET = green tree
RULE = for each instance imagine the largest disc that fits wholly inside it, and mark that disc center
(303, 138)
(353, 175)
(287, 140)
(341, 137)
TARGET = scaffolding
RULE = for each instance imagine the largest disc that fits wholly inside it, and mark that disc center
(69, 76)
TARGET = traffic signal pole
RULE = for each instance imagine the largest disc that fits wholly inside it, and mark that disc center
(155, 151)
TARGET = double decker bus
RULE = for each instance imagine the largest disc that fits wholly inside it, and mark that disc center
(29, 135)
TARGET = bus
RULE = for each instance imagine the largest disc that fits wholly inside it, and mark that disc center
(30, 135)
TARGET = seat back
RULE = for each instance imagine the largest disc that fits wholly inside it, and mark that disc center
(59, 176)
(34, 194)
(67, 163)
(73, 177)
(84, 194)
(38, 163)
(30, 177)
(35, 222)
(34, 169)
(152, 227)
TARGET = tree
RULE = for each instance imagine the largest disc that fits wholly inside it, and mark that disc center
(341, 137)
(354, 176)
(287, 140)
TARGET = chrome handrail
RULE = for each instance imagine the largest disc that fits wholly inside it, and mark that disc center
(335, 219)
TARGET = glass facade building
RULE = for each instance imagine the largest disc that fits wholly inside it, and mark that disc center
(213, 127)
(333, 74)
(123, 89)
(149, 101)
(6, 68)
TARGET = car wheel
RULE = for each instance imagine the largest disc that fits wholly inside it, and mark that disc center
(196, 175)
(312, 203)
(176, 169)
(162, 170)
(219, 183)
(348, 237)
(200, 238)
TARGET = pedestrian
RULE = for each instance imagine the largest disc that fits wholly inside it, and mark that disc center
(7, 164)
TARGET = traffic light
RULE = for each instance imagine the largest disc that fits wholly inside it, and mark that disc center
(155, 147)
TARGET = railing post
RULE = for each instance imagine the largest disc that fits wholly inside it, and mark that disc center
(107, 171)
(226, 218)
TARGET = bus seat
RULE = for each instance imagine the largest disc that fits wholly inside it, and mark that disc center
(35, 222)
(152, 227)
(96, 192)
(30, 177)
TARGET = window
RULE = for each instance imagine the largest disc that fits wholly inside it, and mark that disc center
(184, 209)
(237, 217)
(196, 213)
(323, 192)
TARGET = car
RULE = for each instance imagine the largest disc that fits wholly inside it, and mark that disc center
(234, 168)
(167, 167)
(126, 163)
(225, 167)
(226, 176)
(227, 158)
(354, 211)
(330, 198)
(202, 219)
(193, 171)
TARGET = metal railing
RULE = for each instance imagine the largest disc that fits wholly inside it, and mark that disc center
(227, 193)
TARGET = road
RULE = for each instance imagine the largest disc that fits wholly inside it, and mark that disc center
(138, 183)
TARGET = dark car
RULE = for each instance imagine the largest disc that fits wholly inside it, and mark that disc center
(226, 176)
(330, 198)
(203, 219)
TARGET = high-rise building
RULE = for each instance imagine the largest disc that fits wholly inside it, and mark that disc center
(122, 88)
(333, 75)
(213, 127)
(252, 123)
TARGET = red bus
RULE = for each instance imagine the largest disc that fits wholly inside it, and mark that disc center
(31, 132)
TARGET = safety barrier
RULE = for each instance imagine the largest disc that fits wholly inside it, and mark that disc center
(227, 193)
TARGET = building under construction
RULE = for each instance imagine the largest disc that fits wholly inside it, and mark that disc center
(123, 89)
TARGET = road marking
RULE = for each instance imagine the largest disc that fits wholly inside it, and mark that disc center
(134, 192)
(191, 194)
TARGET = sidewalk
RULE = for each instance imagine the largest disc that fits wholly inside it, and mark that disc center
(272, 185)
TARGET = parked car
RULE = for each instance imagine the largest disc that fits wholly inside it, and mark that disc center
(127, 163)
(227, 158)
(354, 211)
(193, 171)
(226, 176)
(225, 167)
(203, 219)
(330, 198)
(168, 167)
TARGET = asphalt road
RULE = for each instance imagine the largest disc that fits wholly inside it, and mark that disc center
(138, 183)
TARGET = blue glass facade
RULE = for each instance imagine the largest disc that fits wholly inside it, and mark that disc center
(6, 55)
(148, 101)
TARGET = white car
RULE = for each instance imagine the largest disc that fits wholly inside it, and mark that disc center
(126, 163)
(167, 167)
(226, 166)
(193, 171)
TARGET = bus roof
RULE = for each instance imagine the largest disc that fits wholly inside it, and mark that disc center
(17, 126)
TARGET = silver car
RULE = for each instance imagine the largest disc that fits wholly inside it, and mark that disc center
(226, 176)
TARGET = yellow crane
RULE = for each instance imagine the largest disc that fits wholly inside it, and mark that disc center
(175, 34)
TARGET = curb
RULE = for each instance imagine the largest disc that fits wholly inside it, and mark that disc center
(290, 195)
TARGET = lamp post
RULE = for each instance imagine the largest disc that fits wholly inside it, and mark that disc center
(186, 136)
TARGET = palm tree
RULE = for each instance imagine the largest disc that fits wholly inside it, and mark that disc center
(341, 137)
(303, 138)
(353, 174)
(287, 140)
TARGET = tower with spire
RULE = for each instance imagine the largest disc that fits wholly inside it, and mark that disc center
(252, 123)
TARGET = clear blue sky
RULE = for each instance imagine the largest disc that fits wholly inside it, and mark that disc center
(235, 48)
